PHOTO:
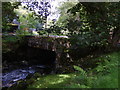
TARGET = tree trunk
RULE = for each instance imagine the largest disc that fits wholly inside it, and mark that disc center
(116, 37)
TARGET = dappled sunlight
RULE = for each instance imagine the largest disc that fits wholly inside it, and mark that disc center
(77, 81)
(60, 44)
(51, 80)
(64, 76)
(21, 11)
(61, 78)
(58, 81)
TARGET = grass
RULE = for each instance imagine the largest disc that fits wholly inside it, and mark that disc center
(107, 76)
(53, 81)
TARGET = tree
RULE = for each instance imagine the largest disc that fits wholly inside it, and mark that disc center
(114, 17)
(41, 9)
(101, 18)
(27, 18)
(64, 16)
(8, 13)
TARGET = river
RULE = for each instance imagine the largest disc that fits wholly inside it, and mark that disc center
(10, 78)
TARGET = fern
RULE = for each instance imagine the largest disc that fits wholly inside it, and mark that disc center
(83, 72)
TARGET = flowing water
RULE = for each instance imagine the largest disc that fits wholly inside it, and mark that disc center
(10, 78)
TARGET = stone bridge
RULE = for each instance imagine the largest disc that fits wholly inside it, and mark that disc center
(58, 44)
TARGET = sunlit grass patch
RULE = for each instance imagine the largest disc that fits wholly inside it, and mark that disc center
(52, 81)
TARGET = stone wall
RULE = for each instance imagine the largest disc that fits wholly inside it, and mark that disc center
(59, 45)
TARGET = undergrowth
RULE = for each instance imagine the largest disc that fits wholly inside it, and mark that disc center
(105, 75)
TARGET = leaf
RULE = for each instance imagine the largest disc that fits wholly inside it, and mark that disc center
(79, 69)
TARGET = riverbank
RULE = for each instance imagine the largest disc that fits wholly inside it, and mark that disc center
(105, 75)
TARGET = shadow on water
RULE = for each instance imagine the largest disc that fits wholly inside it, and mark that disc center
(26, 61)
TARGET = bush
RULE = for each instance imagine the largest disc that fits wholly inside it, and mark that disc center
(105, 75)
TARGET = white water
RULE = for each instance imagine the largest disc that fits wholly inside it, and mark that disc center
(10, 78)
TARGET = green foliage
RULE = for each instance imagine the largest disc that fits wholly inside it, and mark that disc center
(63, 11)
(89, 25)
(8, 14)
(87, 39)
(52, 81)
(107, 76)
(64, 17)
(82, 79)
(10, 39)
(107, 63)
(28, 20)
(10, 43)
(108, 81)
(79, 69)
(55, 29)
(42, 32)
(92, 23)
(20, 33)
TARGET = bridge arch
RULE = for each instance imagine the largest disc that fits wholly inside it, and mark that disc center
(54, 44)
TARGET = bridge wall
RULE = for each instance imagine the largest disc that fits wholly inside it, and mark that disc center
(59, 45)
